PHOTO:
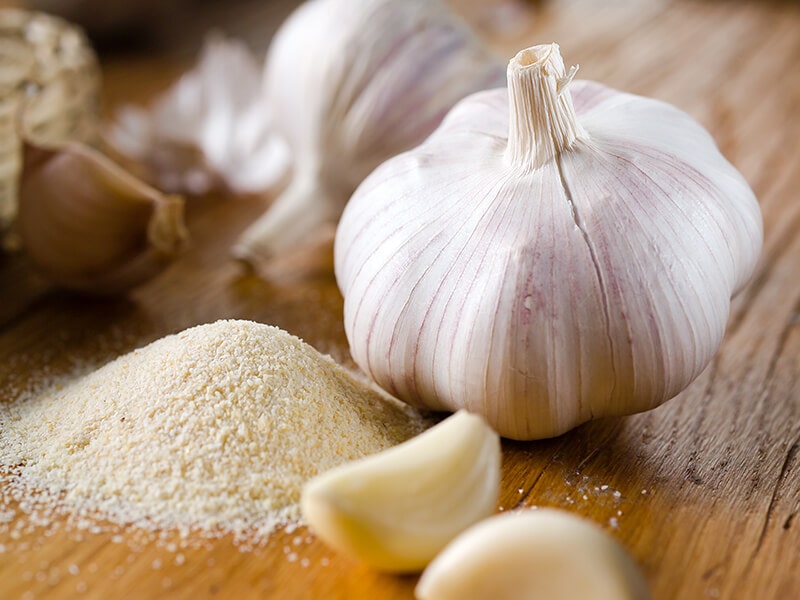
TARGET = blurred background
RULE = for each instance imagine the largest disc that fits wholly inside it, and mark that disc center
(178, 26)
(174, 26)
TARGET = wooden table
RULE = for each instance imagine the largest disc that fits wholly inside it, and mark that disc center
(704, 491)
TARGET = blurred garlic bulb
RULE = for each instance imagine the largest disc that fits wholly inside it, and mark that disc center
(209, 131)
(350, 83)
(49, 88)
(90, 226)
(553, 253)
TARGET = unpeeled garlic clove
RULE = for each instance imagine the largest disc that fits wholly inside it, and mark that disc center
(350, 83)
(397, 509)
(543, 554)
(90, 226)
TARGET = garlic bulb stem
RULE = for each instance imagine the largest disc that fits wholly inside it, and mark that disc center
(542, 121)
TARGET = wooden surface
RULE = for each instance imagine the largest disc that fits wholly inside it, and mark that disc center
(704, 491)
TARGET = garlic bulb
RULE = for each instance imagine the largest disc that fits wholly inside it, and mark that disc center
(350, 83)
(49, 88)
(90, 226)
(553, 253)
(210, 130)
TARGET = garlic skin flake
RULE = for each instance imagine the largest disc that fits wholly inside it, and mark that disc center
(88, 225)
(397, 509)
(210, 131)
(553, 253)
(542, 554)
(350, 83)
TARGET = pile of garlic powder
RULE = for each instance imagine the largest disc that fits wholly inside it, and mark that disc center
(213, 430)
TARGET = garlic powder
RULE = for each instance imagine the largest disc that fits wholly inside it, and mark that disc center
(213, 430)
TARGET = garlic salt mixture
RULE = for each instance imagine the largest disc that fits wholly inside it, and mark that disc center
(553, 253)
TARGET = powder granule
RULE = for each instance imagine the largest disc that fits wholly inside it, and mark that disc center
(213, 430)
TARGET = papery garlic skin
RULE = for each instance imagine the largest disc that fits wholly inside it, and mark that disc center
(542, 554)
(210, 131)
(567, 258)
(89, 226)
(350, 83)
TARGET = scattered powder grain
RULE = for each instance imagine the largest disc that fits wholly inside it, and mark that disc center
(213, 430)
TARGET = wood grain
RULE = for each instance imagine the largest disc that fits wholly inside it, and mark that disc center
(704, 491)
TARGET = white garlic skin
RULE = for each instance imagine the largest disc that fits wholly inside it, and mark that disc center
(350, 83)
(581, 269)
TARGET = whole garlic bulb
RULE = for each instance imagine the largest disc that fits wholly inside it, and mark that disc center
(549, 255)
(350, 83)
(49, 88)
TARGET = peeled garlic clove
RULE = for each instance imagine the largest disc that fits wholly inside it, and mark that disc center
(397, 509)
(544, 554)
(553, 253)
(90, 226)
(350, 83)
(49, 88)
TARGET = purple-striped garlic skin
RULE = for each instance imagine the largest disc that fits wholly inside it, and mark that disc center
(555, 252)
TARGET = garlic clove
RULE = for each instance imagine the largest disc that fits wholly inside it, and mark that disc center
(543, 554)
(397, 509)
(553, 253)
(90, 226)
(346, 91)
